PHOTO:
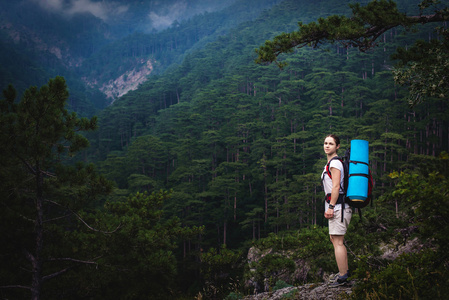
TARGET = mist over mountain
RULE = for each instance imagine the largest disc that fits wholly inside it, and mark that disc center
(147, 15)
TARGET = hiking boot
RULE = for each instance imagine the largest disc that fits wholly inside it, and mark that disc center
(333, 277)
(339, 280)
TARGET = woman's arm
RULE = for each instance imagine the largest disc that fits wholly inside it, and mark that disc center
(335, 185)
(335, 191)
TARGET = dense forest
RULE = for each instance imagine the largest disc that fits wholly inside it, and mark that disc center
(215, 154)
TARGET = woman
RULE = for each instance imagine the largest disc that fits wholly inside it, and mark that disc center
(333, 184)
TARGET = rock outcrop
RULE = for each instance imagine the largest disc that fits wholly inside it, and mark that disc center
(129, 81)
(284, 266)
(311, 291)
(263, 278)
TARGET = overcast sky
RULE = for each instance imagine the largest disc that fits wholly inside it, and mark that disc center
(159, 14)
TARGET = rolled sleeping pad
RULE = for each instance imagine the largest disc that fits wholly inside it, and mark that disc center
(358, 171)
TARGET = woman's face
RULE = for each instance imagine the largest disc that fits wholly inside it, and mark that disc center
(330, 147)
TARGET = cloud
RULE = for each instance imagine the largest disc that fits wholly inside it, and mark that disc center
(160, 13)
(168, 15)
(53, 5)
(164, 13)
(103, 10)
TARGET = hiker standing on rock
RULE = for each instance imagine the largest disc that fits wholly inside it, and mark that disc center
(332, 179)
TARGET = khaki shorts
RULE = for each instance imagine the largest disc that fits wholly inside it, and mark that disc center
(336, 226)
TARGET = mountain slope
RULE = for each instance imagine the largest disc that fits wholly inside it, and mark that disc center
(38, 45)
(122, 65)
(101, 47)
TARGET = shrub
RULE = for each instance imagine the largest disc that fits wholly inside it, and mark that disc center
(280, 285)
(411, 276)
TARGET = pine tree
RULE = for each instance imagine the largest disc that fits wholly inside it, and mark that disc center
(422, 68)
(38, 190)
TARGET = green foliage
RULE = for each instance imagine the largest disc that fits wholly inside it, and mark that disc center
(423, 67)
(272, 266)
(280, 285)
(411, 276)
(278, 242)
(140, 261)
(234, 296)
(315, 244)
(43, 196)
(361, 30)
(424, 198)
(293, 257)
(422, 213)
(220, 270)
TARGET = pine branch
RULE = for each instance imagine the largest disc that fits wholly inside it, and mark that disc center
(27, 165)
(58, 218)
(89, 262)
(15, 211)
(82, 220)
(45, 278)
(50, 276)
(15, 287)
(361, 30)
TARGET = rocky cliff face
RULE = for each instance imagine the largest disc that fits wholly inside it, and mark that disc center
(128, 81)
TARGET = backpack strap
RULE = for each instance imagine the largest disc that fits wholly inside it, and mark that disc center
(328, 172)
(341, 197)
(358, 162)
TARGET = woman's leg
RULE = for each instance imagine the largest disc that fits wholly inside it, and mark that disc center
(341, 254)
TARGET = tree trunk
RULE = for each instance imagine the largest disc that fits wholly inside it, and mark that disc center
(254, 230)
(224, 232)
(314, 206)
(36, 260)
(235, 206)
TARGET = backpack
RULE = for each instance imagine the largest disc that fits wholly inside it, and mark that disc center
(356, 203)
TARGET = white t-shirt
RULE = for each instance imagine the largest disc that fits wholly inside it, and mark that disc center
(327, 181)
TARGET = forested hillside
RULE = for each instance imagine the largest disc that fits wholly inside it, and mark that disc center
(240, 143)
(217, 154)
